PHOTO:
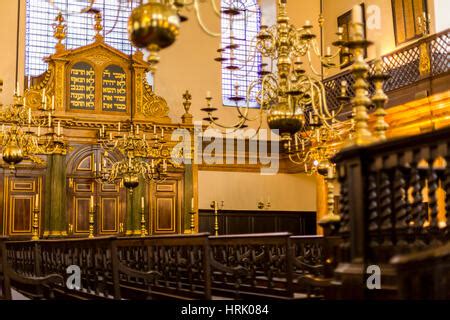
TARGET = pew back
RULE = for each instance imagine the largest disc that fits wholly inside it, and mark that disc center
(250, 265)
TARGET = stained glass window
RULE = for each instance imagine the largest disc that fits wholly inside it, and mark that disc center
(243, 29)
(40, 15)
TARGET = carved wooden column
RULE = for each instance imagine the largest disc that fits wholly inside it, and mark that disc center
(133, 219)
(188, 195)
(352, 169)
(55, 224)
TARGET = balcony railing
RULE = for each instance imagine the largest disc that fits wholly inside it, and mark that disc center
(426, 58)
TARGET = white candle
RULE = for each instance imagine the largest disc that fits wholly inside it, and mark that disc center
(95, 167)
(307, 23)
(137, 129)
(162, 133)
(142, 203)
(153, 163)
(39, 131)
(192, 204)
(92, 203)
(357, 14)
(208, 94)
(340, 30)
(119, 127)
(49, 120)
(59, 128)
(328, 51)
(36, 201)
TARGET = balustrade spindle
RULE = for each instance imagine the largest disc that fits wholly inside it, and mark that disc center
(422, 214)
(386, 210)
(432, 197)
(374, 223)
(406, 170)
(446, 187)
(400, 208)
(344, 228)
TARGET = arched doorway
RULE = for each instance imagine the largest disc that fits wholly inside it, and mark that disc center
(109, 198)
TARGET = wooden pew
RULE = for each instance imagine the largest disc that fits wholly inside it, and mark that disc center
(177, 267)
(309, 263)
(35, 286)
(2, 263)
(252, 266)
(424, 275)
(174, 267)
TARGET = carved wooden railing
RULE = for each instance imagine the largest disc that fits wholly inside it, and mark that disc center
(424, 275)
(251, 264)
(113, 268)
(392, 202)
(179, 266)
(423, 59)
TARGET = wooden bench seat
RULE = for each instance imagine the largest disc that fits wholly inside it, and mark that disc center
(183, 267)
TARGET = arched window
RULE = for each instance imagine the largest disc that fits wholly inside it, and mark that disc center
(40, 15)
(243, 29)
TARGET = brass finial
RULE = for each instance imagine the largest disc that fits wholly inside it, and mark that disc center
(187, 97)
(98, 26)
(59, 33)
(187, 117)
(361, 100)
(379, 99)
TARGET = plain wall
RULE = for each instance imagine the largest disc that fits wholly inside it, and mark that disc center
(243, 190)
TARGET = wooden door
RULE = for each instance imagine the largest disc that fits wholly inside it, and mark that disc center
(110, 199)
(19, 201)
(166, 206)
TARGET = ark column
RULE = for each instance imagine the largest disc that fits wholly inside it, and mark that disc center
(55, 197)
(188, 193)
(133, 220)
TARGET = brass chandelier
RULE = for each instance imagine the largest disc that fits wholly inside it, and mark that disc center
(144, 155)
(285, 92)
(295, 101)
(155, 25)
(26, 134)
